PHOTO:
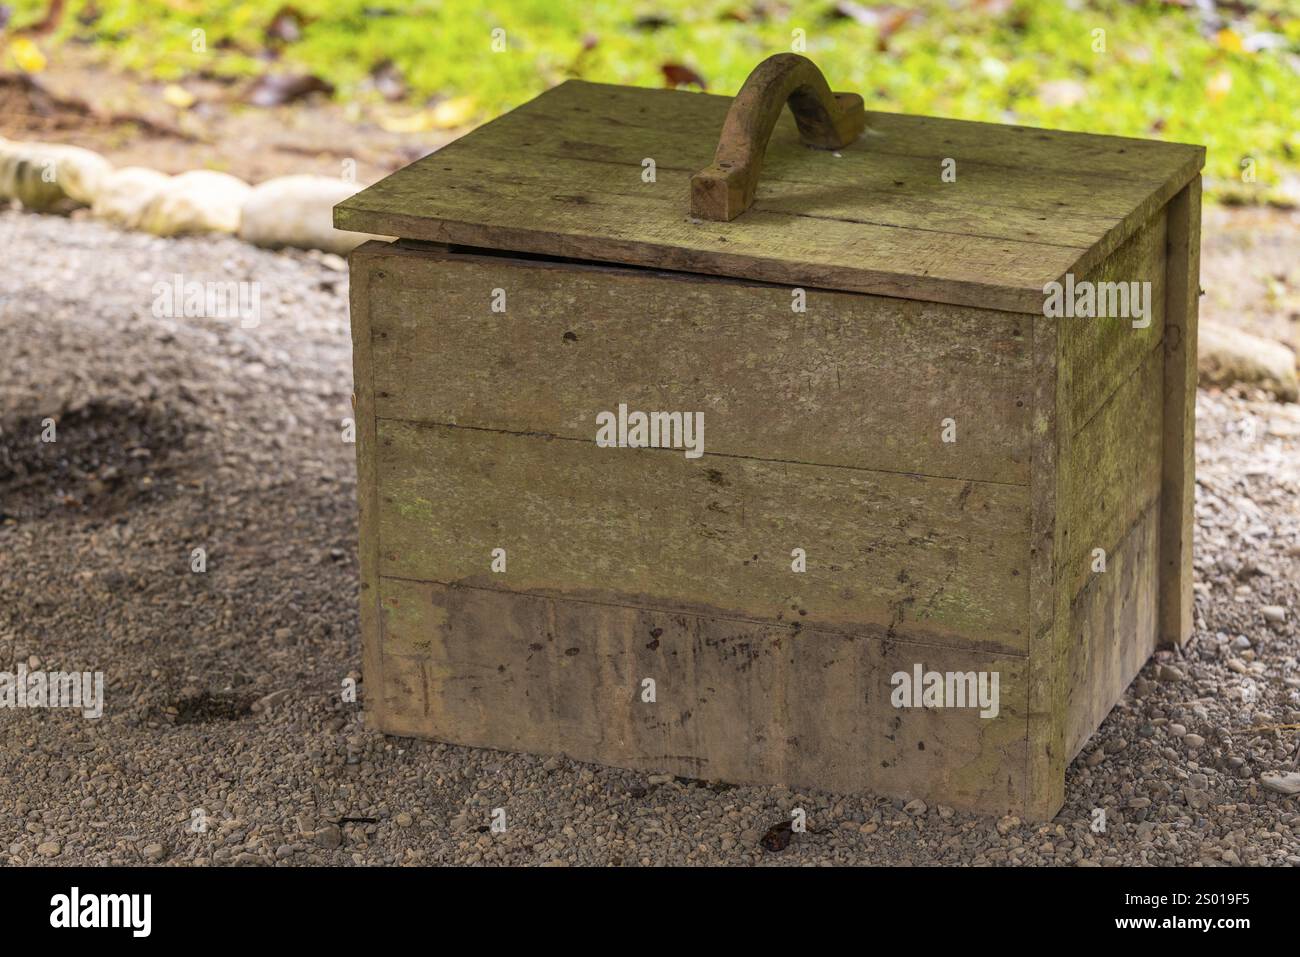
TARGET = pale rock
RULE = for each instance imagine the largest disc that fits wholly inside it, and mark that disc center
(298, 211)
(1279, 782)
(1226, 356)
(268, 702)
(329, 836)
(124, 195)
(200, 201)
(43, 176)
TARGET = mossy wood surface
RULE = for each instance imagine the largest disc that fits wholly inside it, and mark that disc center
(822, 432)
(736, 701)
(1097, 461)
(858, 381)
(941, 559)
(564, 175)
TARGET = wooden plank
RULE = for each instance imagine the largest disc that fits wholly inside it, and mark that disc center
(1095, 482)
(734, 701)
(849, 185)
(938, 560)
(1112, 472)
(1178, 477)
(572, 187)
(834, 385)
(362, 263)
(585, 109)
(1048, 621)
(1099, 354)
(868, 178)
(568, 212)
(1113, 630)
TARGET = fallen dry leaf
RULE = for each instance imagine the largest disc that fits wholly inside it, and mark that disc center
(677, 75)
(27, 55)
(778, 837)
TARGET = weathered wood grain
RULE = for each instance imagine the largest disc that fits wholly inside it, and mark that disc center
(1095, 483)
(1045, 726)
(1178, 478)
(1099, 354)
(858, 381)
(361, 265)
(586, 111)
(565, 204)
(900, 191)
(1112, 472)
(734, 701)
(564, 211)
(989, 197)
(937, 560)
(1112, 630)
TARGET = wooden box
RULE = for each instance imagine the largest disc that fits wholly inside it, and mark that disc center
(975, 485)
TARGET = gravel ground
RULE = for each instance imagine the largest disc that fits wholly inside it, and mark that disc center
(223, 689)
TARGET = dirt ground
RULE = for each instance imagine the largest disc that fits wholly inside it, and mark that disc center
(226, 738)
(223, 688)
(129, 121)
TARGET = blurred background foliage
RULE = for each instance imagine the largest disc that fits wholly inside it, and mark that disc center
(1225, 74)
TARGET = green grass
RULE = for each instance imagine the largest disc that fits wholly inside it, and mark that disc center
(1159, 76)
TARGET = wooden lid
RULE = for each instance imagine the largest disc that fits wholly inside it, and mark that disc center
(565, 175)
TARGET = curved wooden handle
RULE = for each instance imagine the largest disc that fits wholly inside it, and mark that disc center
(826, 120)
